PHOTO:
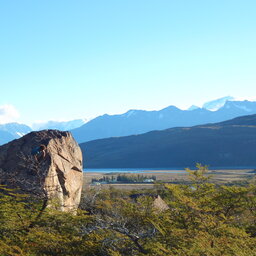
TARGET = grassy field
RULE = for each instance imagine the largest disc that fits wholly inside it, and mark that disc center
(216, 176)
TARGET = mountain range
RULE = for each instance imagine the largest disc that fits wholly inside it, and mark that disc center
(58, 125)
(218, 103)
(225, 144)
(5, 137)
(137, 121)
(141, 121)
(11, 131)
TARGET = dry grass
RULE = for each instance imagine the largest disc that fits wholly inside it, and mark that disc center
(219, 176)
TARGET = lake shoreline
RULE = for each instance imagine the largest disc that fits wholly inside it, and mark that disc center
(163, 170)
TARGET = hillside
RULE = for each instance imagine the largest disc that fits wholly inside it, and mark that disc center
(229, 143)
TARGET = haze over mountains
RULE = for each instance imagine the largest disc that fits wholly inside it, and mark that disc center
(230, 143)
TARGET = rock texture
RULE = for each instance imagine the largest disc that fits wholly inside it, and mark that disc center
(56, 175)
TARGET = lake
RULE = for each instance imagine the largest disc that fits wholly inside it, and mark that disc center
(135, 170)
(160, 170)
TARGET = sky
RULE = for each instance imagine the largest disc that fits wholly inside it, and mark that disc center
(63, 60)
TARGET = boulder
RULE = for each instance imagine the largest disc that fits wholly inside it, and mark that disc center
(47, 164)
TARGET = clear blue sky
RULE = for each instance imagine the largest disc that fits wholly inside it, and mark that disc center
(70, 59)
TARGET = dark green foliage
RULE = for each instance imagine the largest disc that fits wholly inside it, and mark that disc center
(202, 218)
(121, 178)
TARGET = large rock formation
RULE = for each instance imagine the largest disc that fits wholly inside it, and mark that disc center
(53, 173)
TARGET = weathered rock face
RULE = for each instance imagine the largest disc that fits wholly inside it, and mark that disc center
(54, 173)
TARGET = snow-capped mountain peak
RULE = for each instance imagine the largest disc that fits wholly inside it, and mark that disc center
(217, 104)
(247, 106)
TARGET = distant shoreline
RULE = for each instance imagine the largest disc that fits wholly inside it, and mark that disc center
(162, 170)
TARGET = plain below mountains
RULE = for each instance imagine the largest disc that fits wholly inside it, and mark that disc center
(141, 121)
(225, 144)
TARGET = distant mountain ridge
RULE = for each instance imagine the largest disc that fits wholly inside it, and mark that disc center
(59, 125)
(15, 129)
(137, 121)
(230, 143)
(12, 131)
(5, 137)
(217, 104)
(141, 121)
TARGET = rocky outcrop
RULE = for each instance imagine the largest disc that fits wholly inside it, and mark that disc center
(53, 171)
